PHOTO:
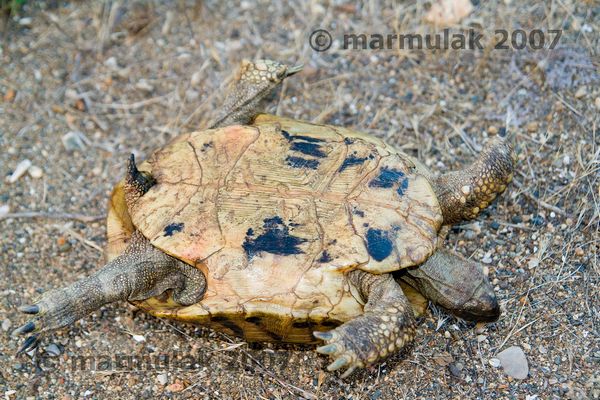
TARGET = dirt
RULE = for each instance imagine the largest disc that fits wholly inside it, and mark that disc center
(83, 87)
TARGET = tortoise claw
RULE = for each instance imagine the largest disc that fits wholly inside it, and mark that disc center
(328, 349)
(30, 309)
(27, 328)
(323, 335)
(349, 371)
(30, 343)
(338, 363)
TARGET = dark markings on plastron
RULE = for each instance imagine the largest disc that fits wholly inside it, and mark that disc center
(227, 323)
(352, 160)
(325, 257)
(289, 137)
(379, 244)
(254, 320)
(348, 140)
(330, 323)
(299, 162)
(173, 228)
(275, 336)
(402, 186)
(358, 212)
(388, 177)
(301, 324)
(276, 239)
(310, 149)
(250, 232)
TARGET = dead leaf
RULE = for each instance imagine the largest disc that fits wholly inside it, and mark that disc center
(443, 359)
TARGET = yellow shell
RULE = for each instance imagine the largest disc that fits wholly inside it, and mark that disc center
(273, 214)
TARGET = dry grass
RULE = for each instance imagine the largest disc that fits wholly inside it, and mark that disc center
(129, 80)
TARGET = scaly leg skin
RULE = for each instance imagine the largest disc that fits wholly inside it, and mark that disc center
(256, 85)
(458, 285)
(464, 194)
(387, 325)
(141, 272)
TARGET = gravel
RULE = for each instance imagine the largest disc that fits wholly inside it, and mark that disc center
(81, 89)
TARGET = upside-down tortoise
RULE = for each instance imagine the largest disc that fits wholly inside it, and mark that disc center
(281, 230)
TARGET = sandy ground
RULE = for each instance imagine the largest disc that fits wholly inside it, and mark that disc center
(130, 80)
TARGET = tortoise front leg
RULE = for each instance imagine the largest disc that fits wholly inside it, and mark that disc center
(464, 194)
(141, 272)
(386, 326)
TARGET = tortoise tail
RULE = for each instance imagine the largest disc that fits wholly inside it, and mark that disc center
(137, 183)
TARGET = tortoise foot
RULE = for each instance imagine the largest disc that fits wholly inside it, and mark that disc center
(386, 326)
(55, 310)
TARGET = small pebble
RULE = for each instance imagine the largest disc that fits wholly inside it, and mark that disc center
(533, 263)
(6, 324)
(582, 91)
(74, 141)
(53, 350)
(487, 259)
(162, 379)
(469, 234)
(514, 362)
(26, 22)
(537, 220)
(557, 360)
(166, 28)
(138, 338)
(144, 85)
(112, 63)
(495, 225)
(455, 370)
(4, 210)
(36, 172)
(597, 102)
(494, 362)
(191, 95)
(176, 387)
(579, 252)
(19, 171)
(196, 78)
(532, 126)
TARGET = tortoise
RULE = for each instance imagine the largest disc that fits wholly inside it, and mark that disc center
(275, 229)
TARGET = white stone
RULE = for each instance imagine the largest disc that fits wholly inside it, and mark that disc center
(36, 172)
(19, 171)
(6, 324)
(514, 362)
(162, 379)
(138, 338)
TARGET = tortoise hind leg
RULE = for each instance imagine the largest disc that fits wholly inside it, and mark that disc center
(256, 85)
(463, 194)
(386, 326)
(141, 272)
